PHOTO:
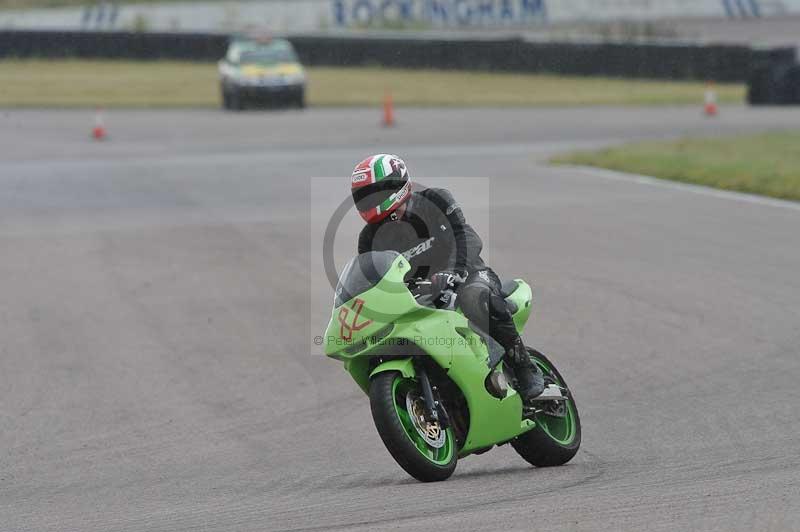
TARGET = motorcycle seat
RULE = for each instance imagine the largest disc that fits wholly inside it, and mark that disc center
(508, 288)
(512, 307)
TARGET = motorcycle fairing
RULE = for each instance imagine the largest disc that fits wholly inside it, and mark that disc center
(386, 320)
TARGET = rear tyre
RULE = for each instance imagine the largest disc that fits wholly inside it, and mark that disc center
(555, 440)
(388, 400)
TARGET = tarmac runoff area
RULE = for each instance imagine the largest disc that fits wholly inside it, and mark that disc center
(162, 289)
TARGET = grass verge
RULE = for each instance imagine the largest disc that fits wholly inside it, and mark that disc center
(766, 164)
(84, 83)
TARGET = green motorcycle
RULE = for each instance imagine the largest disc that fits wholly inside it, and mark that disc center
(437, 384)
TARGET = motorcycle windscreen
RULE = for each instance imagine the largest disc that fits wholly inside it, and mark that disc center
(362, 273)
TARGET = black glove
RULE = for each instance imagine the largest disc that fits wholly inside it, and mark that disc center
(443, 284)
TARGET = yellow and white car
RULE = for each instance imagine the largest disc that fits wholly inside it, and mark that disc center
(261, 71)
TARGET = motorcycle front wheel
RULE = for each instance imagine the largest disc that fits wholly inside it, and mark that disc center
(423, 449)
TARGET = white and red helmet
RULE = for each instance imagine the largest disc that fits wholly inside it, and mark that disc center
(380, 184)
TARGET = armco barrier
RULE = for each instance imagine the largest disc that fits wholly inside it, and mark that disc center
(656, 61)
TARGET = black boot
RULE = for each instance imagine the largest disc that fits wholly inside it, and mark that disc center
(530, 381)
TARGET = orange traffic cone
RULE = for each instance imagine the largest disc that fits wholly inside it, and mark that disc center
(388, 110)
(99, 129)
(710, 107)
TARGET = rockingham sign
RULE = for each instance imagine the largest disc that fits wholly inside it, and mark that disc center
(469, 13)
(483, 13)
(301, 16)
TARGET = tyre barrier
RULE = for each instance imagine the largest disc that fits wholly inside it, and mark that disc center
(774, 84)
(725, 63)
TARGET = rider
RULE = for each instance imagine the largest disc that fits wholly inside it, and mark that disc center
(428, 228)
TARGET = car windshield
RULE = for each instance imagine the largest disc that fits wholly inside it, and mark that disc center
(362, 273)
(268, 55)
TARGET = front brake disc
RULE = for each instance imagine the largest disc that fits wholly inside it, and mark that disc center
(431, 431)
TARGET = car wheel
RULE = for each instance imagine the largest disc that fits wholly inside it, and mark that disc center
(300, 100)
(233, 101)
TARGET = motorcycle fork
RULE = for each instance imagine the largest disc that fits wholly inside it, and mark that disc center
(434, 409)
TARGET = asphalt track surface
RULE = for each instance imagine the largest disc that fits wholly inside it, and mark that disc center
(161, 292)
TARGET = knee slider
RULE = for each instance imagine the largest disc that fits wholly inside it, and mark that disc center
(498, 307)
(474, 303)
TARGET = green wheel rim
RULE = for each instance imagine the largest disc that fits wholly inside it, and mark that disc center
(561, 430)
(441, 456)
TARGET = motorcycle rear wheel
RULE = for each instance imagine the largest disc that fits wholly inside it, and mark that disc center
(388, 401)
(555, 440)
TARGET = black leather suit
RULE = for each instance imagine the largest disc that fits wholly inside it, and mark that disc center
(433, 236)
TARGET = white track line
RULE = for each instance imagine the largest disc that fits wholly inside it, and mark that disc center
(685, 187)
